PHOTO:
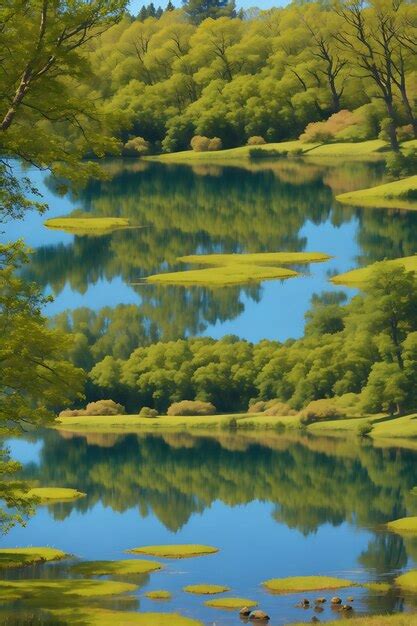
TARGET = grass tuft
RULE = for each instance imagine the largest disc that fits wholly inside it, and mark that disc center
(206, 589)
(159, 594)
(173, 551)
(230, 603)
(295, 584)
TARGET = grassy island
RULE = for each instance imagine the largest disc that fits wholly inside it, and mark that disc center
(357, 277)
(19, 557)
(87, 225)
(296, 584)
(118, 568)
(54, 495)
(60, 591)
(400, 194)
(175, 551)
(206, 589)
(230, 603)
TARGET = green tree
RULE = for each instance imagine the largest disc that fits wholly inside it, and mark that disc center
(199, 10)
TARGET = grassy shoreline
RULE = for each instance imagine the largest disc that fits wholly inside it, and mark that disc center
(400, 194)
(383, 426)
(371, 148)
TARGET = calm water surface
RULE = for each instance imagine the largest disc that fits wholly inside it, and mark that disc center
(274, 506)
(279, 205)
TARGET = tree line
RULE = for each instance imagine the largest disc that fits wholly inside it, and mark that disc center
(262, 74)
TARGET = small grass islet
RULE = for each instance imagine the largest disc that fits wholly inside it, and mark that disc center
(233, 269)
(400, 194)
(296, 584)
(20, 557)
(357, 277)
(54, 495)
(404, 525)
(118, 568)
(106, 617)
(377, 587)
(87, 225)
(206, 590)
(407, 581)
(183, 551)
(60, 591)
(230, 603)
(159, 594)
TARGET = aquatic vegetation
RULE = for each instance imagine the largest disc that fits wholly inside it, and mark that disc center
(206, 589)
(377, 587)
(407, 581)
(87, 225)
(51, 495)
(175, 551)
(230, 603)
(403, 525)
(400, 194)
(159, 594)
(294, 584)
(61, 591)
(105, 617)
(355, 278)
(120, 568)
(19, 557)
(231, 269)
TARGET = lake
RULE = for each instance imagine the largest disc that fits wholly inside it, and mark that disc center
(280, 205)
(275, 505)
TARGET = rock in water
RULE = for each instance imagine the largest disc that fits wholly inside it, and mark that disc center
(320, 600)
(245, 612)
(336, 600)
(347, 608)
(259, 616)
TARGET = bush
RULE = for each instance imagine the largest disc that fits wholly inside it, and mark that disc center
(364, 429)
(320, 410)
(199, 143)
(104, 407)
(259, 406)
(191, 407)
(256, 140)
(405, 133)
(215, 144)
(279, 409)
(101, 407)
(400, 164)
(342, 126)
(146, 411)
(136, 145)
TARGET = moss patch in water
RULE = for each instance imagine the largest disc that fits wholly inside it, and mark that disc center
(206, 589)
(104, 617)
(159, 594)
(173, 551)
(19, 557)
(404, 525)
(51, 495)
(407, 581)
(119, 568)
(61, 591)
(295, 584)
(230, 603)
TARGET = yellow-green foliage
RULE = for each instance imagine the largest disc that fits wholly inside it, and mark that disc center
(305, 583)
(206, 589)
(18, 557)
(121, 568)
(356, 278)
(230, 603)
(104, 617)
(391, 195)
(87, 225)
(377, 587)
(62, 591)
(47, 495)
(407, 580)
(175, 551)
(404, 525)
(230, 269)
(402, 619)
(159, 594)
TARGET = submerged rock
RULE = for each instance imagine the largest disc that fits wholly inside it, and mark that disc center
(303, 604)
(259, 616)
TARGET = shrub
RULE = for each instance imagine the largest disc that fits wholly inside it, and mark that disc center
(279, 409)
(320, 410)
(404, 133)
(215, 144)
(259, 406)
(343, 126)
(400, 164)
(256, 140)
(199, 143)
(104, 407)
(71, 412)
(191, 407)
(146, 411)
(364, 429)
(137, 145)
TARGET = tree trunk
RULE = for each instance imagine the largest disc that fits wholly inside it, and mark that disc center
(392, 127)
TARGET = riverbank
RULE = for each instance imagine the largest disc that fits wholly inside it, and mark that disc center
(383, 426)
(371, 148)
(357, 277)
(400, 194)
